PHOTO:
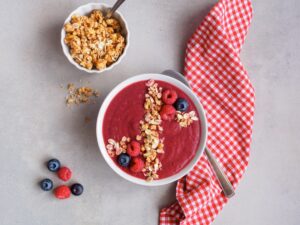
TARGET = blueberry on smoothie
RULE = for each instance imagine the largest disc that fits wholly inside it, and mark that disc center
(124, 160)
(181, 105)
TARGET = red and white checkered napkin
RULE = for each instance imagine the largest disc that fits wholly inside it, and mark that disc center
(217, 76)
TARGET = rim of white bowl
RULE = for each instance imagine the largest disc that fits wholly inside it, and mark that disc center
(110, 97)
(91, 7)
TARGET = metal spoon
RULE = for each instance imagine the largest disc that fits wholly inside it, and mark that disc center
(114, 8)
(222, 178)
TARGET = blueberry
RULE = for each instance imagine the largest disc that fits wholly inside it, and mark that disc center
(181, 105)
(53, 165)
(76, 189)
(124, 159)
(46, 184)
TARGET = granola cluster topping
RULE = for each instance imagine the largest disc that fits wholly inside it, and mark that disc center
(186, 119)
(115, 148)
(80, 95)
(94, 41)
(150, 130)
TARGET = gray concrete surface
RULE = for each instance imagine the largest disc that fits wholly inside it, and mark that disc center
(35, 123)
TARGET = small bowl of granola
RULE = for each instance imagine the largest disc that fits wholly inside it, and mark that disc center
(151, 129)
(92, 42)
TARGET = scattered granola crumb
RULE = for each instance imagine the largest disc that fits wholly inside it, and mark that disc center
(80, 95)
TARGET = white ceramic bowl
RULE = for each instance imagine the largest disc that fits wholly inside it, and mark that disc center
(111, 96)
(85, 10)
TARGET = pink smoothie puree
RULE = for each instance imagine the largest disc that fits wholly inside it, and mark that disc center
(124, 114)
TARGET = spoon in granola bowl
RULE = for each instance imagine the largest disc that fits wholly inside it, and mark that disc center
(114, 8)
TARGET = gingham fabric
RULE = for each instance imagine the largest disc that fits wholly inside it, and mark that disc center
(217, 76)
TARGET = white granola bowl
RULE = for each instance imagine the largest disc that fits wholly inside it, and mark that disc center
(111, 96)
(85, 10)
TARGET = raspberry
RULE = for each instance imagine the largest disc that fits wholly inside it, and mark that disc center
(62, 192)
(136, 165)
(133, 148)
(169, 97)
(64, 173)
(167, 112)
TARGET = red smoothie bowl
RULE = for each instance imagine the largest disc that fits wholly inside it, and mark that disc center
(120, 122)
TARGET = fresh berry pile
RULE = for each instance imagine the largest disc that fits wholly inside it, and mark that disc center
(65, 174)
(172, 104)
(131, 158)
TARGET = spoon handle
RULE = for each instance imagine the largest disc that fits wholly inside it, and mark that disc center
(114, 8)
(222, 178)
